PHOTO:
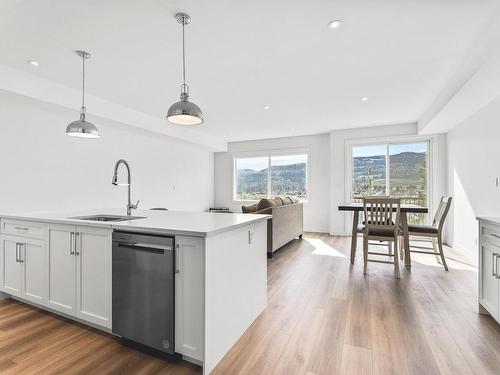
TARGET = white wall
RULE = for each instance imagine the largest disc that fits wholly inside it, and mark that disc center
(317, 209)
(473, 166)
(44, 169)
(341, 222)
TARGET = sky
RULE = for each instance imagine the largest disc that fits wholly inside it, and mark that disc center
(258, 164)
(395, 149)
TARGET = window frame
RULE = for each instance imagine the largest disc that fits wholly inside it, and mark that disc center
(432, 188)
(269, 154)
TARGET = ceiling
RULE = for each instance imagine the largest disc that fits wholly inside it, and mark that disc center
(242, 56)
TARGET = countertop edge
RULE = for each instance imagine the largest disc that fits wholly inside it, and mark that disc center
(132, 228)
(490, 219)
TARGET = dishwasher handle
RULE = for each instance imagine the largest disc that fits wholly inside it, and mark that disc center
(144, 247)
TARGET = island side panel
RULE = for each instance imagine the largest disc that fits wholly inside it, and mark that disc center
(235, 287)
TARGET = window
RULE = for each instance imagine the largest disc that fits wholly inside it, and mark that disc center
(398, 169)
(265, 176)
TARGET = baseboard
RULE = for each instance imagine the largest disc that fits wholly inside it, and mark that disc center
(459, 247)
(340, 234)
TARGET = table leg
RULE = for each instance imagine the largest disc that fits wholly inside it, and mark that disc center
(406, 239)
(354, 238)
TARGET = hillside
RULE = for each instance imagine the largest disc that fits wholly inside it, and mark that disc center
(405, 173)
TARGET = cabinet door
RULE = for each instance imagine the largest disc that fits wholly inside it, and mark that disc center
(12, 266)
(189, 296)
(35, 261)
(93, 285)
(62, 269)
(489, 284)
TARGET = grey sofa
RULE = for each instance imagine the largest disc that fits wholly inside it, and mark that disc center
(287, 222)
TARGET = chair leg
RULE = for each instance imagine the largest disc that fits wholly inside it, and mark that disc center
(440, 244)
(396, 259)
(436, 249)
(391, 251)
(400, 248)
(365, 254)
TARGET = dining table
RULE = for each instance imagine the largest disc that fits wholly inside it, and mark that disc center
(405, 209)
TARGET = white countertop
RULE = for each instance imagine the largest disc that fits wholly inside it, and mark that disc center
(199, 224)
(494, 220)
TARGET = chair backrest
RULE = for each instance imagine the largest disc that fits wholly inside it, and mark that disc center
(442, 212)
(381, 212)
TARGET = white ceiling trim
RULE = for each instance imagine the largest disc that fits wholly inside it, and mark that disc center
(42, 89)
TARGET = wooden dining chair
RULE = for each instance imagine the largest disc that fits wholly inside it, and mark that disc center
(381, 224)
(434, 231)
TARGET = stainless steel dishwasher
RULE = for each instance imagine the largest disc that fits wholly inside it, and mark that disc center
(143, 289)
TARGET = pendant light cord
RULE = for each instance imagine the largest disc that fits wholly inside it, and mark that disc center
(183, 55)
(83, 82)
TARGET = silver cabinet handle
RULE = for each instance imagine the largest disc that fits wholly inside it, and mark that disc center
(17, 252)
(495, 235)
(71, 242)
(21, 260)
(177, 256)
(494, 264)
(78, 238)
(21, 228)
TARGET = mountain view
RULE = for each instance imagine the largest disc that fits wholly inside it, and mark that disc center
(407, 178)
(408, 173)
(289, 180)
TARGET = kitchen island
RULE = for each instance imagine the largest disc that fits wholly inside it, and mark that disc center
(63, 264)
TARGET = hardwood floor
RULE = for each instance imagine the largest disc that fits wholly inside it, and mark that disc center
(323, 317)
(36, 342)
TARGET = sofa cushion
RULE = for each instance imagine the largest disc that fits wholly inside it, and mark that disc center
(249, 209)
(265, 203)
(278, 201)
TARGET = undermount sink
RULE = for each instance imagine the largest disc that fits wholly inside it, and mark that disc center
(107, 217)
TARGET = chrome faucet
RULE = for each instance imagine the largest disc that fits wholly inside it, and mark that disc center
(114, 181)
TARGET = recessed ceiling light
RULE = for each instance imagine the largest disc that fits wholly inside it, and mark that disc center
(334, 24)
(364, 99)
(33, 62)
(267, 107)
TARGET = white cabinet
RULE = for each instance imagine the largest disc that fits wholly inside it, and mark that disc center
(12, 268)
(93, 275)
(34, 260)
(489, 284)
(80, 272)
(189, 296)
(489, 268)
(24, 268)
(62, 269)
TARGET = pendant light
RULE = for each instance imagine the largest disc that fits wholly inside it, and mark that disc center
(82, 128)
(184, 112)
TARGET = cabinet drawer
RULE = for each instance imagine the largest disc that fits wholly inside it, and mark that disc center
(31, 229)
(490, 233)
